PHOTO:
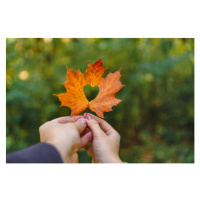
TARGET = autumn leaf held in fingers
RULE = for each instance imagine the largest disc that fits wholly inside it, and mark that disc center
(75, 97)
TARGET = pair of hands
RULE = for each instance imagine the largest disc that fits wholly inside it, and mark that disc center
(69, 134)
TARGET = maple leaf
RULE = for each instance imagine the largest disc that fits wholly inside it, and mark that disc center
(75, 97)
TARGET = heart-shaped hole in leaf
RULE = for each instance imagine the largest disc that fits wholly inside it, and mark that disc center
(91, 92)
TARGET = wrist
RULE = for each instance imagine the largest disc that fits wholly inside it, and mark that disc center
(114, 159)
(60, 150)
(117, 160)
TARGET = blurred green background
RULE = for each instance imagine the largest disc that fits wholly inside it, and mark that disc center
(155, 118)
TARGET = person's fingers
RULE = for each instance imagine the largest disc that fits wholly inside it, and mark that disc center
(80, 124)
(85, 132)
(68, 119)
(89, 149)
(106, 127)
(85, 139)
(95, 128)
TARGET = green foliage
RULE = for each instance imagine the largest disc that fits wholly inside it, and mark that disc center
(155, 118)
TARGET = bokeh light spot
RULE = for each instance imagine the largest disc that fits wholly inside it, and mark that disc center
(23, 75)
(47, 40)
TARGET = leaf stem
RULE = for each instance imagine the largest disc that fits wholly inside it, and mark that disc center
(86, 111)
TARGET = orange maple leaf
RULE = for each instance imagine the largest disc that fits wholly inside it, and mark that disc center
(75, 97)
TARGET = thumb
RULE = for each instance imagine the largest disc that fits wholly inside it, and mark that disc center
(95, 128)
(80, 124)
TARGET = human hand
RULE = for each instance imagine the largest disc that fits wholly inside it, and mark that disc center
(105, 143)
(64, 134)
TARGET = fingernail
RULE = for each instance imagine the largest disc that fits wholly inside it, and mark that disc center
(82, 120)
(88, 116)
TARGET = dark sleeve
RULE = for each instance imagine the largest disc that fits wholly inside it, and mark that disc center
(38, 153)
